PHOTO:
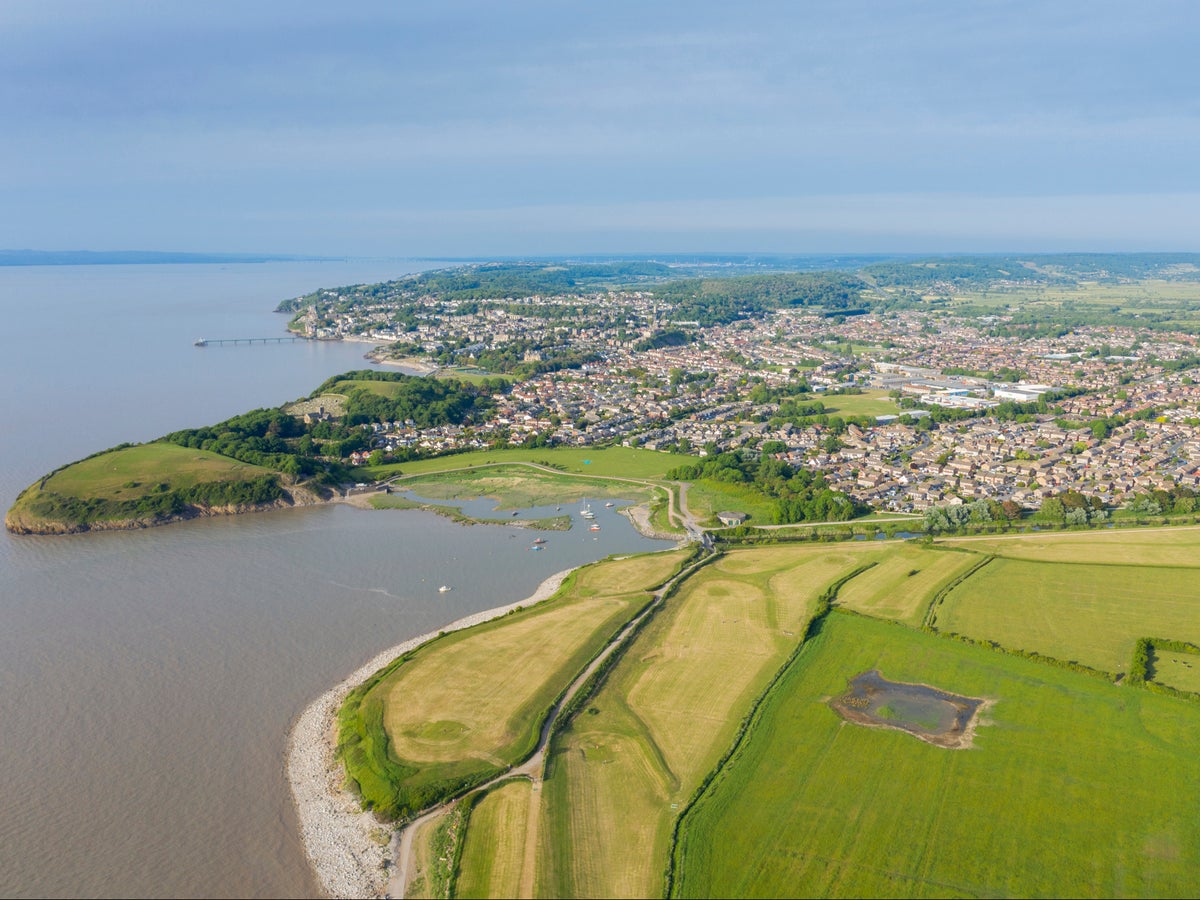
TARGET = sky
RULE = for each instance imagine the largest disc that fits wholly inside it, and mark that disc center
(500, 128)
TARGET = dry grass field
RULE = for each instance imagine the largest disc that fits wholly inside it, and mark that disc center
(903, 582)
(473, 696)
(645, 741)
(1171, 546)
(494, 853)
(472, 702)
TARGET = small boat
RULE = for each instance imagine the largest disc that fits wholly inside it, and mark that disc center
(445, 589)
(594, 527)
(609, 504)
(539, 540)
(588, 514)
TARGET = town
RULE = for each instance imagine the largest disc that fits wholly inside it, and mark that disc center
(902, 409)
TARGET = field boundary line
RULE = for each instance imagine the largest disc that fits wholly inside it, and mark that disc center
(752, 717)
(942, 592)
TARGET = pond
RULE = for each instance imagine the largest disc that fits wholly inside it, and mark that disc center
(933, 715)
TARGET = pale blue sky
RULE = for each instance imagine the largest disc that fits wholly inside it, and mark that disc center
(486, 128)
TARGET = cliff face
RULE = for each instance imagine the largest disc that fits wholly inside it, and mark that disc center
(19, 522)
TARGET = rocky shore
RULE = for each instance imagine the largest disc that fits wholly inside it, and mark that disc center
(348, 848)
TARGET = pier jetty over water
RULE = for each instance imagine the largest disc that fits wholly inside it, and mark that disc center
(205, 342)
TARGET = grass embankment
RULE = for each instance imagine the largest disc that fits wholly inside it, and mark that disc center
(670, 708)
(1076, 787)
(145, 481)
(466, 706)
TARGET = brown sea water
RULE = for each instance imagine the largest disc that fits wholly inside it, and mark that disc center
(148, 679)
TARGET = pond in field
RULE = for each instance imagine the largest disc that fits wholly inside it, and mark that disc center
(928, 713)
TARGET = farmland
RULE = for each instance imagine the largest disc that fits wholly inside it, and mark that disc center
(1075, 787)
(465, 706)
(711, 752)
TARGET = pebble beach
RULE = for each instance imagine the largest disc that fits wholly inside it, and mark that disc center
(348, 848)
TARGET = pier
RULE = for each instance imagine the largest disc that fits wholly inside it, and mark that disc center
(205, 342)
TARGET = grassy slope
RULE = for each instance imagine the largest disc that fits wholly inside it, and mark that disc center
(134, 472)
(128, 474)
(1075, 788)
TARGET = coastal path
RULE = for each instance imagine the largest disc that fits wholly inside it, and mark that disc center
(534, 767)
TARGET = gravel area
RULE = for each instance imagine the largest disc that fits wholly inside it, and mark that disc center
(347, 847)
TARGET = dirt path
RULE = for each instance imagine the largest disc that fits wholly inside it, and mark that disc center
(529, 864)
(532, 768)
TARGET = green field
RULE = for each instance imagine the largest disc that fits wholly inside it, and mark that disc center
(516, 487)
(868, 403)
(465, 706)
(1075, 787)
(1093, 614)
(900, 586)
(115, 476)
(619, 462)
(1176, 546)
(493, 859)
(712, 733)
(617, 776)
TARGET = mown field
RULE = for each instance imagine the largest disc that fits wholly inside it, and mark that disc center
(469, 704)
(868, 403)
(1075, 787)
(616, 778)
(1090, 613)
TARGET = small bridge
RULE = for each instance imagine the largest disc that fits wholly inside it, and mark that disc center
(205, 342)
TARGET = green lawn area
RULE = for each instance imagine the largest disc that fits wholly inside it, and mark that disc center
(1075, 787)
(1177, 670)
(389, 389)
(515, 487)
(135, 472)
(868, 403)
(621, 462)
(706, 498)
(471, 376)
(1093, 614)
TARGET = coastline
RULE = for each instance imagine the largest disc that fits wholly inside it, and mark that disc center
(346, 847)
